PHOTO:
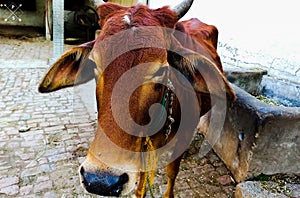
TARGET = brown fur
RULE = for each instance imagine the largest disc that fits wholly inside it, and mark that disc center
(203, 38)
(200, 49)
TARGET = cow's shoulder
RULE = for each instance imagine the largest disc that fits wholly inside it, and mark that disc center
(199, 31)
(202, 38)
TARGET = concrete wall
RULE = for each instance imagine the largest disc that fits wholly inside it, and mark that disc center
(257, 138)
(28, 18)
(253, 34)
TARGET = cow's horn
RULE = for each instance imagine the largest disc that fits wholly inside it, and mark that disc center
(182, 8)
(97, 2)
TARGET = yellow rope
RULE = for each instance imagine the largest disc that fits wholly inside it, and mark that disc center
(150, 162)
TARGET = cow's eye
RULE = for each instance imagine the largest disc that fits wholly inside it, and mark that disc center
(157, 86)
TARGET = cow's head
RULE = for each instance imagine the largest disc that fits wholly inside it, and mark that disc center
(133, 61)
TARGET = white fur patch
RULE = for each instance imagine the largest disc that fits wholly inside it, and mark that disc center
(126, 19)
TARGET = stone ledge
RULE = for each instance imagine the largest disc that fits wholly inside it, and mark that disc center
(257, 138)
(254, 189)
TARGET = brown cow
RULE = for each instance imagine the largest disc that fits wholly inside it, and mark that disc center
(143, 57)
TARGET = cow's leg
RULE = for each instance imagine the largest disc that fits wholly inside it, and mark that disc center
(172, 171)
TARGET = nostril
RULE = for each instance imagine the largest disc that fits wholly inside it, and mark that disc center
(81, 170)
(123, 179)
(105, 184)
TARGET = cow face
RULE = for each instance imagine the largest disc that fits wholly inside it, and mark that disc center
(132, 61)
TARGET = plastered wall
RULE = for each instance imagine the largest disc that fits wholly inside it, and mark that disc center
(253, 34)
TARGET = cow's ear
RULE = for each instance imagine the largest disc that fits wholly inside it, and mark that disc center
(106, 10)
(201, 72)
(72, 68)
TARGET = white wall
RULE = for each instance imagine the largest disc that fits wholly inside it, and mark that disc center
(257, 33)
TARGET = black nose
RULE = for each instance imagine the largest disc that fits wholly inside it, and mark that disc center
(104, 184)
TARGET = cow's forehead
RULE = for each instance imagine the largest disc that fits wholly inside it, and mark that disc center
(134, 16)
(112, 15)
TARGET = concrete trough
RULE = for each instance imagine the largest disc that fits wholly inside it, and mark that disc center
(257, 138)
(247, 79)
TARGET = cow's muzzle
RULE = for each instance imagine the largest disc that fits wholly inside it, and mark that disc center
(105, 184)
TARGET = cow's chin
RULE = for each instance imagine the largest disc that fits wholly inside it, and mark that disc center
(107, 181)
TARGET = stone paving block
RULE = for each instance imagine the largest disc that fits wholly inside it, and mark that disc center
(60, 157)
(42, 186)
(225, 180)
(26, 156)
(53, 151)
(10, 190)
(25, 190)
(54, 128)
(51, 194)
(254, 190)
(5, 182)
(42, 178)
(36, 170)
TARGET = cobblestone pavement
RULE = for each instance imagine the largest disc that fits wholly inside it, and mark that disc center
(43, 140)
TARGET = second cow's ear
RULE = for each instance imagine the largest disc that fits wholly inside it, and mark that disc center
(72, 68)
(201, 72)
